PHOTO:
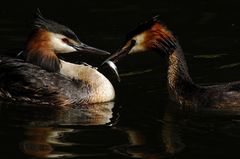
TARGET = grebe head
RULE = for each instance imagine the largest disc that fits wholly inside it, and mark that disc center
(150, 35)
(50, 38)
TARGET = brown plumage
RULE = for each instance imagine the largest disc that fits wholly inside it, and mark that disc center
(153, 35)
(42, 78)
(39, 51)
(24, 82)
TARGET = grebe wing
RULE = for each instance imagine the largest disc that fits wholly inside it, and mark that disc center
(27, 82)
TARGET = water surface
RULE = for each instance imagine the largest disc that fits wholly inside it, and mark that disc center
(142, 123)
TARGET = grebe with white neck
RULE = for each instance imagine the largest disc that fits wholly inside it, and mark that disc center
(42, 78)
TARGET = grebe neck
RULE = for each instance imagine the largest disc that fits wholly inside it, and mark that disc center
(177, 68)
(39, 51)
(94, 80)
(70, 69)
(180, 85)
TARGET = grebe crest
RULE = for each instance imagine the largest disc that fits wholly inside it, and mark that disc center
(50, 38)
(151, 34)
(68, 83)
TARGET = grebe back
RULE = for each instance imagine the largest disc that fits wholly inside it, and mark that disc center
(42, 78)
(24, 82)
(153, 35)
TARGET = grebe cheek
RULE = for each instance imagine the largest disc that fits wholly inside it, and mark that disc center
(137, 49)
(58, 45)
(139, 46)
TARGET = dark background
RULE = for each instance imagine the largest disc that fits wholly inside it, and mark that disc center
(208, 31)
(105, 23)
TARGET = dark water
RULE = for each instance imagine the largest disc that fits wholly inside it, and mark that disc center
(143, 122)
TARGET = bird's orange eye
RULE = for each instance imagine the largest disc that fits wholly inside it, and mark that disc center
(65, 40)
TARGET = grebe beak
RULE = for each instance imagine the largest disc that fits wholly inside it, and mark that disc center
(89, 49)
(116, 56)
(121, 53)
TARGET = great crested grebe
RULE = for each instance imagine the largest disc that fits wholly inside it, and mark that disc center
(50, 38)
(152, 35)
(42, 78)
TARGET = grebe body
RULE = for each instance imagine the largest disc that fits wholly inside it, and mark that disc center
(25, 82)
(152, 35)
(40, 77)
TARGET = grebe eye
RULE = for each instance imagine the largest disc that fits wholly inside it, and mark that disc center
(65, 40)
(133, 42)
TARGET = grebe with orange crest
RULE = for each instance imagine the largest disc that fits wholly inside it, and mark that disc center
(152, 35)
(41, 77)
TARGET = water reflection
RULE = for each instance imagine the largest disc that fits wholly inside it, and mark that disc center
(158, 139)
(46, 131)
(97, 132)
(40, 141)
(141, 130)
(26, 114)
(85, 131)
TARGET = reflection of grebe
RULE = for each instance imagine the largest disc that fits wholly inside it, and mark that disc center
(40, 142)
(152, 35)
(38, 79)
